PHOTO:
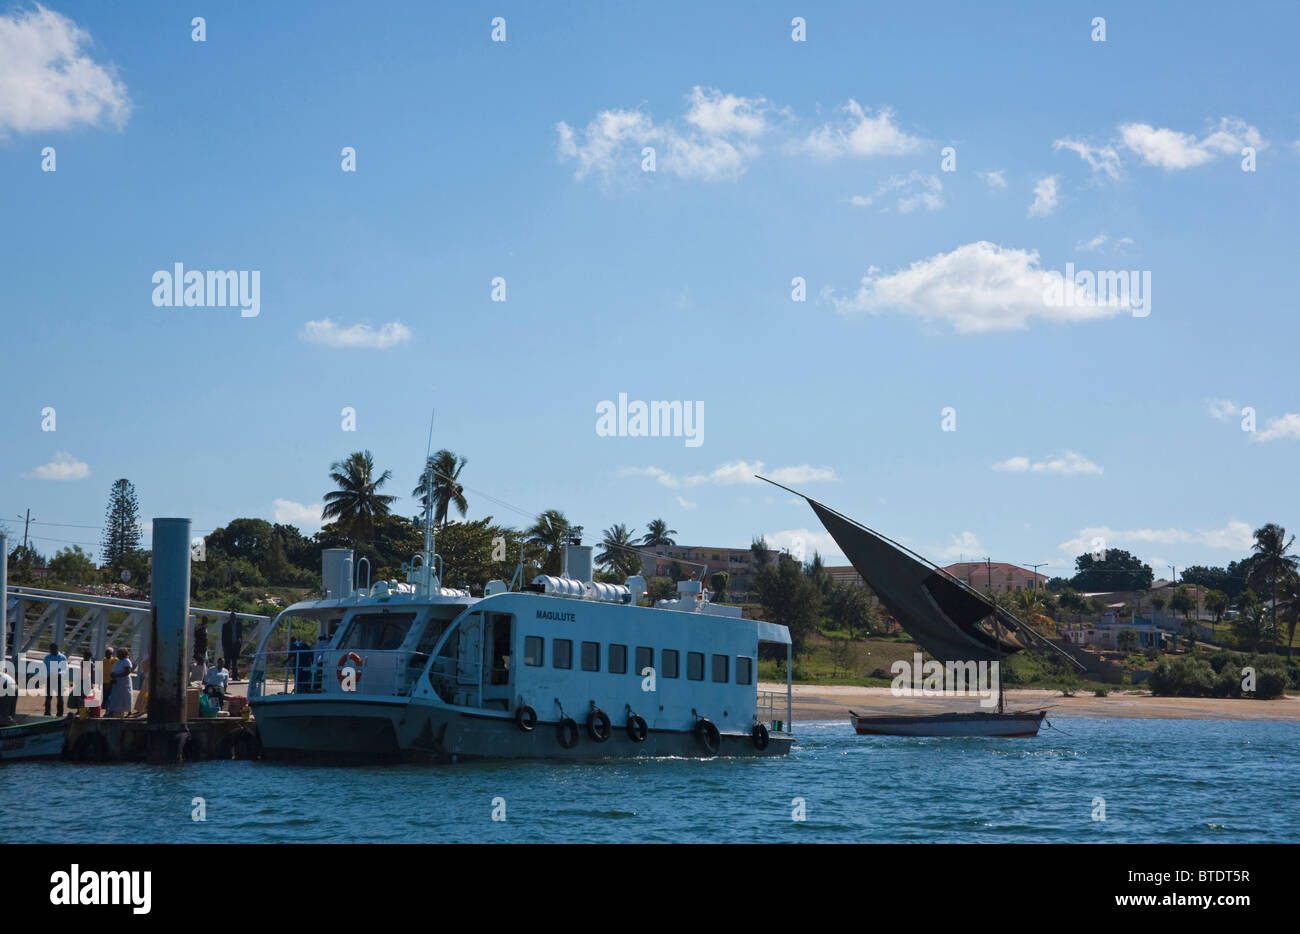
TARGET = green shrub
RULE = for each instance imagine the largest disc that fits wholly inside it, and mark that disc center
(1185, 676)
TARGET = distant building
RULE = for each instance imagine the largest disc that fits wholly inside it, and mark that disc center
(739, 563)
(1004, 577)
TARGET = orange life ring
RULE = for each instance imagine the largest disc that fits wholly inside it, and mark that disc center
(355, 659)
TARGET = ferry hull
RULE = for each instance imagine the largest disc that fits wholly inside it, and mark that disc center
(333, 730)
(951, 724)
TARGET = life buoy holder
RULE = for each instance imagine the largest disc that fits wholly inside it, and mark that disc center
(637, 730)
(356, 665)
(708, 736)
(566, 731)
(526, 718)
(759, 733)
(598, 725)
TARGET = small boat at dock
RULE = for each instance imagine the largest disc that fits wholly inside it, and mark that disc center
(950, 724)
(30, 736)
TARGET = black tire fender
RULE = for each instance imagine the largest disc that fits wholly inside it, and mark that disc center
(708, 736)
(598, 725)
(566, 731)
(526, 718)
(637, 730)
(761, 738)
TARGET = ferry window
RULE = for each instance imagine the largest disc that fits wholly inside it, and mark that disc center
(645, 658)
(744, 670)
(720, 666)
(534, 648)
(377, 632)
(591, 656)
(617, 659)
(562, 653)
(670, 663)
(695, 666)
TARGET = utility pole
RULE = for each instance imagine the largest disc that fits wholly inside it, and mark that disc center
(26, 523)
(1034, 579)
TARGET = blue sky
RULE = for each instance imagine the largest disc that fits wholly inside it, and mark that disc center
(775, 159)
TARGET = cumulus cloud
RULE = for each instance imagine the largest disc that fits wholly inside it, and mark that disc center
(977, 287)
(1044, 197)
(329, 334)
(1234, 536)
(994, 179)
(48, 81)
(1093, 244)
(1222, 409)
(807, 541)
(63, 467)
(965, 544)
(735, 472)
(1172, 150)
(1068, 462)
(288, 512)
(1103, 159)
(914, 190)
(1285, 426)
(862, 133)
(717, 145)
(686, 503)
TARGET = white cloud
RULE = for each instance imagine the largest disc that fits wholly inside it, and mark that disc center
(48, 82)
(1099, 158)
(1222, 409)
(63, 467)
(612, 144)
(1044, 197)
(965, 544)
(977, 287)
(810, 541)
(718, 114)
(1172, 150)
(1092, 244)
(736, 472)
(915, 189)
(329, 334)
(995, 179)
(1285, 426)
(861, 134)
(1068, 462)
(290, 513)
(686, 503)
(1234, 536)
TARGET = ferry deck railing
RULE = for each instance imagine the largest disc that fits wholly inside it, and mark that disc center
(774, 709)
(294, 671)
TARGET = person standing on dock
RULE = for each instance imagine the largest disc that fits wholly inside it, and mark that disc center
(201, 641)
(56, 677)
(232, 636)
(120, 699)
(106, 676)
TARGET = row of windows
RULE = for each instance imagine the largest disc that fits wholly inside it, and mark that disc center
(669, 660)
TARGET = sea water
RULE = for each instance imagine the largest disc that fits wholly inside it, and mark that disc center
(1086, 780)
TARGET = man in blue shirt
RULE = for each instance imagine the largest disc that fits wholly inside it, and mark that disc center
(300, 655)
(56, 674)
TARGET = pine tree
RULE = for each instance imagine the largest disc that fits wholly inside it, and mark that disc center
(122, 524)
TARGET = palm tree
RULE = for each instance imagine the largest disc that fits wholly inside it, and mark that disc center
(1216, 601)
(1292, 604)
(620, 550)
(1029, 604)
(550, 532)
(441, 471)
(1270, 562)
(357, 502)
(657, 533)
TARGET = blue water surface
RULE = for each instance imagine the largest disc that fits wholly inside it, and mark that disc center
(1161, 782)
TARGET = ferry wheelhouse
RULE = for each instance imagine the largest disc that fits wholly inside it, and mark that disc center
(563, 667)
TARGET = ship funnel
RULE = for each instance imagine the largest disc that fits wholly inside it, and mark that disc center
(577, 562)
(336, 573)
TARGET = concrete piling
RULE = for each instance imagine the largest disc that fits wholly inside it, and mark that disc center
(170, 610)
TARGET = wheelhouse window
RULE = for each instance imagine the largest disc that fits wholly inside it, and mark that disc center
(720, 666)
(617, 659)
(695, 666)
(562, 653)
(645, 658)
(534, 648)
(670, 663)
(744, 670)
(591, 656)
(377, 632)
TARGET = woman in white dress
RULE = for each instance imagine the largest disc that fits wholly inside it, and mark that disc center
(121, 700)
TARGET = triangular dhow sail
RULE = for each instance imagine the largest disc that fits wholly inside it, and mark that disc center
(950, 620)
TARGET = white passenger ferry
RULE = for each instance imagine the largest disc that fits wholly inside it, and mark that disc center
(560, 668)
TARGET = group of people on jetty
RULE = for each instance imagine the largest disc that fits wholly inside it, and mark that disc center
(118, 697)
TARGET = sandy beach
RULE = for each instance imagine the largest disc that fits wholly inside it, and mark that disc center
(812, 702)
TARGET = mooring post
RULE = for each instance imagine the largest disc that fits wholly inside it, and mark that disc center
(170, 611)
